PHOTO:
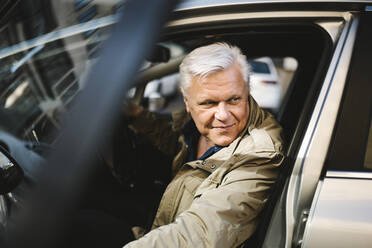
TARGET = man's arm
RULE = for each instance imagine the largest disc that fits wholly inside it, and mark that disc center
(157, 128)
(223, 216)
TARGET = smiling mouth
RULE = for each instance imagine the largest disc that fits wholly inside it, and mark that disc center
(224, 127)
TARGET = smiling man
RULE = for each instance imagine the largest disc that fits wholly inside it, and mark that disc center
(218, 106)
(226, 156)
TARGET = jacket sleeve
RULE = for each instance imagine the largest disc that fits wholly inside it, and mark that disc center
(220, 216)
(157, 129)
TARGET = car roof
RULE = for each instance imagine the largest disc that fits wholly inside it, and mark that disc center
(191, 4)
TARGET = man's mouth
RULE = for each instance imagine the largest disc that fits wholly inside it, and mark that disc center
(224, 127)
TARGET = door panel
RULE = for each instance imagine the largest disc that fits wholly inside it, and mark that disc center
(341, 215)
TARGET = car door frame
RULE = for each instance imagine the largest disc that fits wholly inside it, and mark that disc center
(339, 215)
(308, 165)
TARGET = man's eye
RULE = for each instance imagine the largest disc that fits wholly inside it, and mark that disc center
(208, 103)
(234, 100)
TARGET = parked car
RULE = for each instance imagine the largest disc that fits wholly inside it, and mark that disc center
(160, 91)
(266, 88)
(322, 197)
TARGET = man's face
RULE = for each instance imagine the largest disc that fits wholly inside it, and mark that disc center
(218, 105)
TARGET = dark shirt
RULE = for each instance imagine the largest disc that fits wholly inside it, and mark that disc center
(192, 136)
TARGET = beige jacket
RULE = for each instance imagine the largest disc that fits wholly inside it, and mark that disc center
(215, 202)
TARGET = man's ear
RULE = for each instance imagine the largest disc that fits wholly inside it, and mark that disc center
(185, 100)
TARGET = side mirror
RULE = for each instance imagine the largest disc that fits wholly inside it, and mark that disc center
(159, 54)
(11, 174)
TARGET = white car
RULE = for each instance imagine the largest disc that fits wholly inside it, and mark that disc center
(266, 88)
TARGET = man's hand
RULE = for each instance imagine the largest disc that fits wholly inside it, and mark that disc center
(132, 110)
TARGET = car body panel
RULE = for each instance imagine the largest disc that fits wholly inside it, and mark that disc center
(341, 214)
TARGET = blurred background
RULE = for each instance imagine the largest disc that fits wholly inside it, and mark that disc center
(48, 46)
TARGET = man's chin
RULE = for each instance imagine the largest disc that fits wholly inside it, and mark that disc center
(223, 141)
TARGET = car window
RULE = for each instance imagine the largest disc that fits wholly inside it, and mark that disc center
(46, 50)
(40, 82)
(259, 67)
(351, 147)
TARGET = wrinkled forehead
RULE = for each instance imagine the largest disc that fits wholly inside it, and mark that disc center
(222, 82)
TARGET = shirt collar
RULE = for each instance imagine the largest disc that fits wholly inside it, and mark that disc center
(192, 136)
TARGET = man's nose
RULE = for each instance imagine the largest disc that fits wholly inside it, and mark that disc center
(222, 112)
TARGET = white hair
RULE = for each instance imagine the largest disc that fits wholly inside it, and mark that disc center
(209, 59)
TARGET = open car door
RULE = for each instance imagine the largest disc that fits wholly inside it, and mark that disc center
(61, 182)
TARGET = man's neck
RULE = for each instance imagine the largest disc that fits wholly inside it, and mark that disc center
(203, 145)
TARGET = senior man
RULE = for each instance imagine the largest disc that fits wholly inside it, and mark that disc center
(226, 156)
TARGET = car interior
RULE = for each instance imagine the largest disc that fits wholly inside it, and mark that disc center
(307, 43)
(125, 176)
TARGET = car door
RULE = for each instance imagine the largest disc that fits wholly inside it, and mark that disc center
(318, 211)
(60, 183)
(340, 215)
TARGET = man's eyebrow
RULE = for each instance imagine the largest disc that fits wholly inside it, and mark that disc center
(234, 96)
(205, 100)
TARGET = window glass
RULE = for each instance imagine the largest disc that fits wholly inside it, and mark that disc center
(259, 67)
(41, 75)
(350, 149)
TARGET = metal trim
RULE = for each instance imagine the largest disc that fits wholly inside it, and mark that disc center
(189, 5)
(58, 34)
(321, 18)
(261, 15)
(310, 219)
(349, 174)
(312, 153)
